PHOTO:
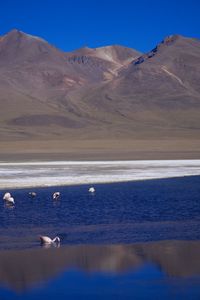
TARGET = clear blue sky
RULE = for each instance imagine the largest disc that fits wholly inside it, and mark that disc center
(73, 24)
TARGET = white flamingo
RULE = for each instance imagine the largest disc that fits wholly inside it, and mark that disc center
(8, 198)
(91, 189)
(56, 195)
(47, 240)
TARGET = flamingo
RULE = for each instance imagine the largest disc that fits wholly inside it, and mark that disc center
(56, 195)
(48, 240)
(8, 198)
(91, 189)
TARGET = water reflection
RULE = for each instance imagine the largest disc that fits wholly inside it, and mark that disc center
(8, 205)
(24, 269)
(48, 246)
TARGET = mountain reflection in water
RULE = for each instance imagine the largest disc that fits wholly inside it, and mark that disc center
(151, 230)
(25, 269)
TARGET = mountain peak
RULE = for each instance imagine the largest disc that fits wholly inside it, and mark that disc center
(15, 33)
(164, 46)
(112, 53)
(22, 47)
(171, 39)
(18, 34)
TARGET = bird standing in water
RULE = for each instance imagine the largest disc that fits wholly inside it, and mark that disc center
(8, 198)
(91, 189)
(56, 195)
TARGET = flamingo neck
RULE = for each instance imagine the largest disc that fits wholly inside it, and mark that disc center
(55, 240)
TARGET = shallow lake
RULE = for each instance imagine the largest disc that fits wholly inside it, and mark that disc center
(128, 240)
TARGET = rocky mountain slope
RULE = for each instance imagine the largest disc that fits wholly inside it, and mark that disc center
(108, 92)
(159, 89)
(37, 81)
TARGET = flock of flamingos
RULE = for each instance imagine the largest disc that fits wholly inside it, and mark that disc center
(45, 240)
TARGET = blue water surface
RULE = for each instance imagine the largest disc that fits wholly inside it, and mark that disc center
(118, 214)
(115, 213)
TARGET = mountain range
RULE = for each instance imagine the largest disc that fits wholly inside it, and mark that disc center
(110, 97)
